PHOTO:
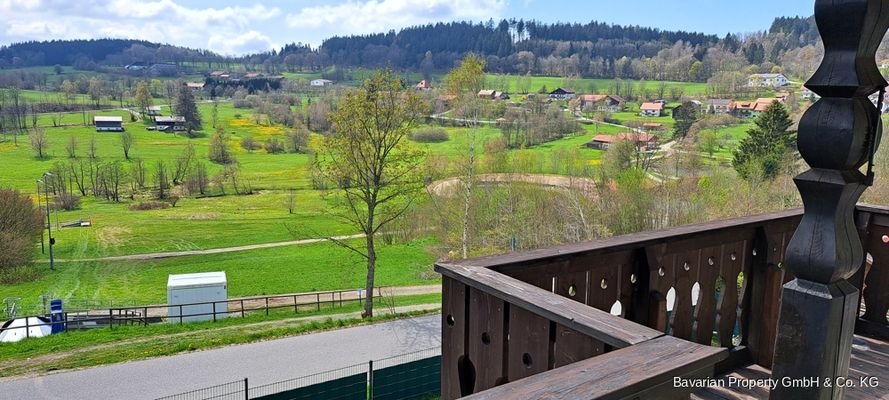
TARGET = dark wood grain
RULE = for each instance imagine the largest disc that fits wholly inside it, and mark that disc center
(453, 335)
(528, 344)
(615, 331)
(615, 375)
(486, 339)
(571, 346)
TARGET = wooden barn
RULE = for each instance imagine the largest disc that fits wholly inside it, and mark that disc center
(108, 123)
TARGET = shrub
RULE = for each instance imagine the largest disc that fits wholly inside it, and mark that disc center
(20, 226)
(149, 205)
(274, 146)
(429, 135)
(67, 201)
(250, 144)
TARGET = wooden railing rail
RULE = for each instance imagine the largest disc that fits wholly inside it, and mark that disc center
(715, 284)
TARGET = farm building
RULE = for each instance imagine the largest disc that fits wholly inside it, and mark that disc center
(169, 124)
(154, 110)
(423, 85)
(195, 85)
(561, 94)
(746, 109)
(598, 102)
(320, 82)
(719, 106)
(651, 109)
(108, 123)
(164, 70)
(642, 141)
(766, 80)
(492, 95)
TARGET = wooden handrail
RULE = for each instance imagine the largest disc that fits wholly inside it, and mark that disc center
(600, 325)
(649, 366)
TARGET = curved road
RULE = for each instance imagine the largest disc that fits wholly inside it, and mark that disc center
(262, 363)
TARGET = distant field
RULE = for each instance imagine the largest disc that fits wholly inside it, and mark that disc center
(513, 84)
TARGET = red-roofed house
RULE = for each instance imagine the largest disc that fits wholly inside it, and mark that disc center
(651, 109)
(597, 102)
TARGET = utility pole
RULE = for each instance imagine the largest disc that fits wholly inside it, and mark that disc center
(52, 240)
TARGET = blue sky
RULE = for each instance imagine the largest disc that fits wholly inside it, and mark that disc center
(237, 27)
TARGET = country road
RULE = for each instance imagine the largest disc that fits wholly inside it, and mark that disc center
(262, 363)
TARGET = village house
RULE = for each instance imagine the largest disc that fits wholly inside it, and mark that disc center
(108, 123)
(153, 111)
(767, 80)
(752, 109)
(652, 127)
(719, 106)
(597, 102)
(561, 94)
(423, 85)
(321, 82)
(651, 109)
(492, 95)
(642, 141)
(169, 124)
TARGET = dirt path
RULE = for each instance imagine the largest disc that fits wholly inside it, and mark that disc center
(446, 186)
(154, 256)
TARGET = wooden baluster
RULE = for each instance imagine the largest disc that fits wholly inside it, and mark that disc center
(711, 262)
(453, 335)
(486, 339)
(876, 295)
(687, 266)
(734, 257)
(571, 346)
(529, 344)
(661, 277)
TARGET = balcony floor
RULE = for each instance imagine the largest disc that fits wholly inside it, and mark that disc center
(870, 358)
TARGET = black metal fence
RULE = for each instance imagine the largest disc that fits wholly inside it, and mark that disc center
(204, 311)
(236, 390)
(412, 376)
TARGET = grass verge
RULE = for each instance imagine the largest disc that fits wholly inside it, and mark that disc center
(106, 346)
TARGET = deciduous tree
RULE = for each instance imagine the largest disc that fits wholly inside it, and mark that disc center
(371, 160)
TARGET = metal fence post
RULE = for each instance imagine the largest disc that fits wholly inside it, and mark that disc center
(370, 379)
(246, 389)
(242, 308)
(214, 311)
(111, 318)
(318, 301)
(27, 328)
(266, 306)
(180, 314)
(295, 306)
(145, 316)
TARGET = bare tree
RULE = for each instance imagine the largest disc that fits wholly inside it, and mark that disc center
(183, 163)
(161, 180)
(127, 140)
(291, 200)
(71, 148)
(92, 151)
(39, 142)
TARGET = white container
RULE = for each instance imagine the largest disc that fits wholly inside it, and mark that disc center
(210, 288)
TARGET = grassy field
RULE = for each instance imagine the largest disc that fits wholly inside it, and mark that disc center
(513, 84)
(291, 269)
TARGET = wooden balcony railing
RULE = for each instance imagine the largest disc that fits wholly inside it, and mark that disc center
(622, 317)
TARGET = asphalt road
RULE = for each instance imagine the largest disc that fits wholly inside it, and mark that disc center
(261, 363)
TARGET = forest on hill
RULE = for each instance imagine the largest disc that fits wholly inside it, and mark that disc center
(591, 50)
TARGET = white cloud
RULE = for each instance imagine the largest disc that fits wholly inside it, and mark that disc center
(357, 16)
(223, 29)
(249, 42)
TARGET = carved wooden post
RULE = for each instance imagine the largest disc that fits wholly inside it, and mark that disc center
(818, 308)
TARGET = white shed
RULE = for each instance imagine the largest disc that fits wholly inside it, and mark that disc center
(208, 288)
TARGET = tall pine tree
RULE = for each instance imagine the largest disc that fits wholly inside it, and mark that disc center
(767, 144)
(186, 107)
